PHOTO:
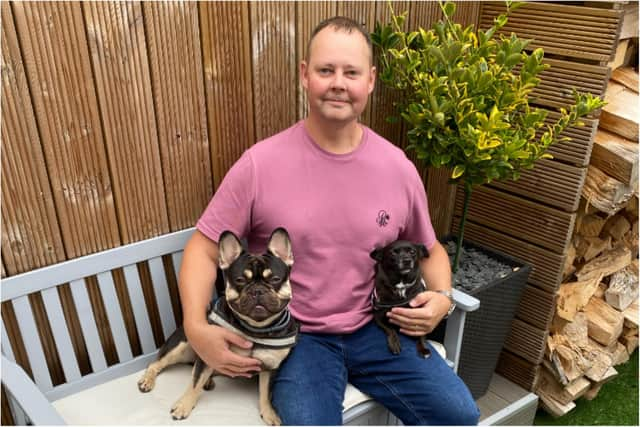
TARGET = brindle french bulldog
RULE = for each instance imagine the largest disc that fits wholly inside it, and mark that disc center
(398, 280)
(255, 304)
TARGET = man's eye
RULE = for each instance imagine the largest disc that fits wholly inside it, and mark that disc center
(325, 70)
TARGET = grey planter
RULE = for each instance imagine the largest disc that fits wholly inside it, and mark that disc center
(487, 328)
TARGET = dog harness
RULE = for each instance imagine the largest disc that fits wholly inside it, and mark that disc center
(282, 333)
(401, 288)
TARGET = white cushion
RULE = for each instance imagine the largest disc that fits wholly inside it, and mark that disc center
(118, 402)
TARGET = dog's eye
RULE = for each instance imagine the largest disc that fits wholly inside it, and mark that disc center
(412, 252)
(240, 281)
(275, 279)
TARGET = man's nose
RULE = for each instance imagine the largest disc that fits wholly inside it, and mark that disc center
(338, 81)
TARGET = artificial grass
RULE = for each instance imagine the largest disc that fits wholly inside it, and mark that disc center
(615, 405)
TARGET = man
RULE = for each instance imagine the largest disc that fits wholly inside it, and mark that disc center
(341, 191)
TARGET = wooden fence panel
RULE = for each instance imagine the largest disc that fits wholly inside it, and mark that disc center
(275, 71)
(30, 233)
(56, 57)
(175, 59)
(226, 50)
(120, 63)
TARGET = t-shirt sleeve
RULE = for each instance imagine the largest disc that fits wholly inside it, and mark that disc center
(231, 205)
(418, 227)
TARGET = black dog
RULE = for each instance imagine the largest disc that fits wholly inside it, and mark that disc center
(255, 304)
(398, 280)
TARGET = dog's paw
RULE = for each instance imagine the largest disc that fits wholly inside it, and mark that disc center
(146, 383)
(270, 417)
(394, 344)
(210, 384)
(181, 410)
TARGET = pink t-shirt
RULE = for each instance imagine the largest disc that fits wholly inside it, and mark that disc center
(336, 208)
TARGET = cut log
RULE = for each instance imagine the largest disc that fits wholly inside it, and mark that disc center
(577, 331)
(620, 55)
(631, 316)
(620, 355)
(607, 263)
(605, 193)
(599, 293)
(601, 362)
(605, 322)
(621, 113)
(616, 156)
(572, 297)
(595, 388)
(630, 21)
(578, 388)
(553, 407)
(616, 227)
(551, 387)
(631, 208)
(626, 76)
(623, 289)
(591, 247)
(566, 361)
(630, 342)
(568, 261)
(590, 225)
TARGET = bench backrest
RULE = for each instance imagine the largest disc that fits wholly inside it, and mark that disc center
(46, 281)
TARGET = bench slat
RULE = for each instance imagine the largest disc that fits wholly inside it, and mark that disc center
(114, 314)
(140, 314)
(32, 344)
(163, 298)
(88, 325)
(5, 344)
(176, 257)
(61, 334)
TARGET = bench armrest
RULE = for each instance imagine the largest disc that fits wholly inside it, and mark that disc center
(455, 325)
(28, 397)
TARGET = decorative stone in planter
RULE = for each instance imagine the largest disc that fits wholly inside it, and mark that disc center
(497, 280)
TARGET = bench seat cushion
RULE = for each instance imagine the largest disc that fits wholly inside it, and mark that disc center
(118, 402)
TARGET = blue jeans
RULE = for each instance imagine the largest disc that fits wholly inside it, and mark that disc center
(309, 386)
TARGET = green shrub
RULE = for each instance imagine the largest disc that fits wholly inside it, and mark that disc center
(466, 98)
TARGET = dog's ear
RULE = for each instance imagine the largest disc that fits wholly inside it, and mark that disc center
(422, 250)
(280, 245)
(377, 254)
(230, 249)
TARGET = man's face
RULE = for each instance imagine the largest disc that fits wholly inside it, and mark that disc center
(339, 76)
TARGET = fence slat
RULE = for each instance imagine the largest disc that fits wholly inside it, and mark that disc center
(32, 344)
(112, 306)
(162, 296)
(61, 334)
(88, 325)
(143, 324)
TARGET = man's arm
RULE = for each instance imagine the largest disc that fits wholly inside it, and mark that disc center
(196, 280)
(429, 308)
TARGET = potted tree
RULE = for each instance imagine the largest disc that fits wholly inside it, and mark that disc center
(466, 102)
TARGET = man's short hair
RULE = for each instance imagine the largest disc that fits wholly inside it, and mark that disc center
(345, 24)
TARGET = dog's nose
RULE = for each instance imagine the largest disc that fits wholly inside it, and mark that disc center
(256, 292)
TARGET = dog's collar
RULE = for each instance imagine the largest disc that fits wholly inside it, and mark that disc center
(375, 301)
(286, 327)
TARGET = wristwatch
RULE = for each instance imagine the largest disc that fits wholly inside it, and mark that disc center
(449, 294)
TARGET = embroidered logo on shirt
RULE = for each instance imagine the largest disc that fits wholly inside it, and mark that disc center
(383, 218)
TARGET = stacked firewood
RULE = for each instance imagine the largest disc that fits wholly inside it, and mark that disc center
(595, 327)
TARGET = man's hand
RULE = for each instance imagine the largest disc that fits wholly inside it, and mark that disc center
(427, 310)
(212, 343)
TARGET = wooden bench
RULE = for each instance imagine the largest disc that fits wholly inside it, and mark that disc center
(109, 395)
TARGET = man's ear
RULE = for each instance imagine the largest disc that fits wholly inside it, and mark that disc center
(376, 254)
(422, 250)
(372, 77)
(304, 78)
(280, 245)
(230, 249)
